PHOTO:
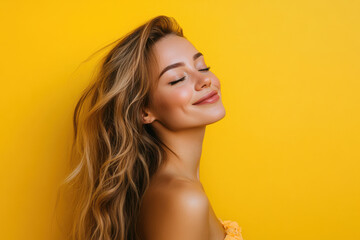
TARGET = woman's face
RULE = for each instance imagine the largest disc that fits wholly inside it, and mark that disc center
(180, 86)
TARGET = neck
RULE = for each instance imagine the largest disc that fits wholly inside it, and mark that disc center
(187, 144)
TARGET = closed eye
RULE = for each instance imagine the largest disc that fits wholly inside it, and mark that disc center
(205, 69)
(176, 81)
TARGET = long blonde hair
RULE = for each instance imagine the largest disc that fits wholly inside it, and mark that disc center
(115, 153)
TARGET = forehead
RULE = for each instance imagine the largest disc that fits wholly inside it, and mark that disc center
(171, 49)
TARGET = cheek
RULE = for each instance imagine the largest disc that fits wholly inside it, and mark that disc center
(216, 82)
(174, 99)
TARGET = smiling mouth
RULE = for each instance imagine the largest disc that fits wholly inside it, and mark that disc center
(209, 98)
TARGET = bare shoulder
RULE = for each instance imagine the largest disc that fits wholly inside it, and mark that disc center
(177, 209)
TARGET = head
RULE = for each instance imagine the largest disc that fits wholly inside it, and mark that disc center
(116, 146)
(181, 78)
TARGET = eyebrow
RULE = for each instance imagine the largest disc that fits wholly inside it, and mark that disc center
(179, 64)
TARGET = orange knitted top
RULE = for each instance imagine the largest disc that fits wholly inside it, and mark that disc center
(232, 229)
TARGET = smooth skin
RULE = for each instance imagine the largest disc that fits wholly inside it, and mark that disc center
(175, 205)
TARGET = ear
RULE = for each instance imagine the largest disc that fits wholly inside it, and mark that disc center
(147, 116)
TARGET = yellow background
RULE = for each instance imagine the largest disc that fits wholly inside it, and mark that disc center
(283, 163)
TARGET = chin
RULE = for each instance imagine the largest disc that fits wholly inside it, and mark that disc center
(216, 116)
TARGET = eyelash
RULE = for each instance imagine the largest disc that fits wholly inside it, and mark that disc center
(174, 82)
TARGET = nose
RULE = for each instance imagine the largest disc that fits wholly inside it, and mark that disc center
(203, 81)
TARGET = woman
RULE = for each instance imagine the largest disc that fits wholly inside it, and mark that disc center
(139, 129)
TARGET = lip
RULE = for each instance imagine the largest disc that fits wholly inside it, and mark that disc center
(207, 96)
